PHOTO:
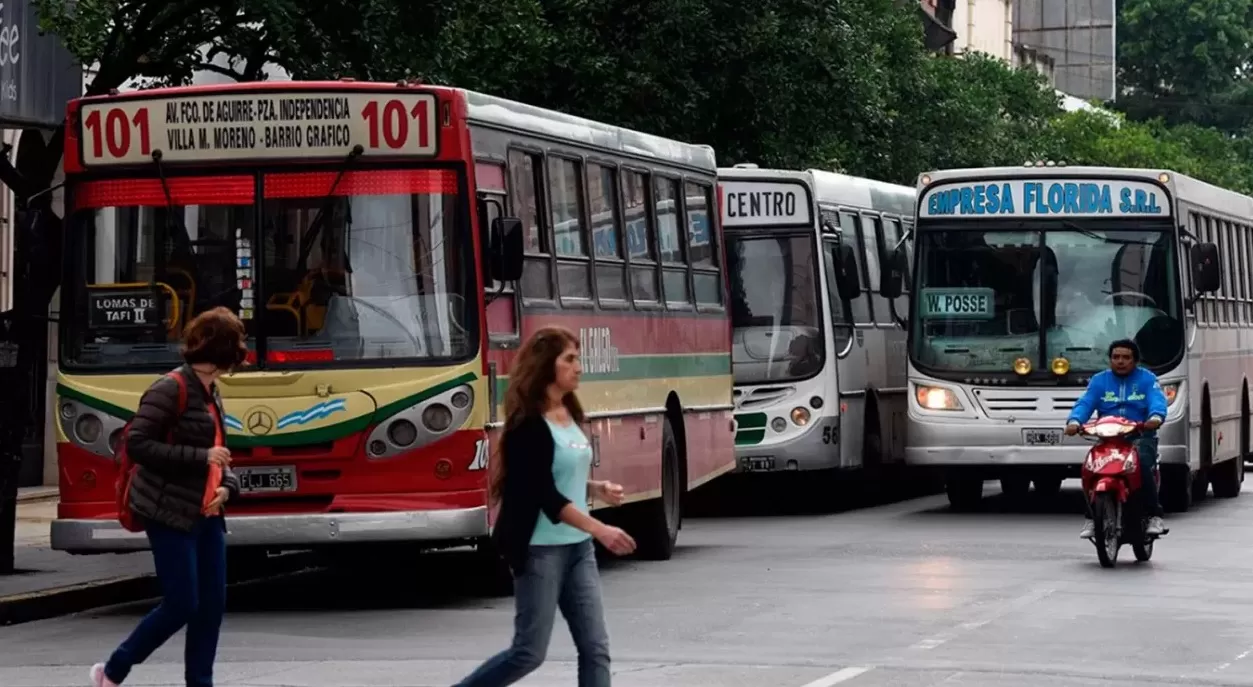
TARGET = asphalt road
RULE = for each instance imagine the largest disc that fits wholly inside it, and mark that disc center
(902, 595)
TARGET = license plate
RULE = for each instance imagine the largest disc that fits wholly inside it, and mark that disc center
(1042, 437)
(759, 463)
(261, 480)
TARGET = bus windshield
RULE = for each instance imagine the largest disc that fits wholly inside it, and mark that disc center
(990, 295)
(376, 268)
(775, 308)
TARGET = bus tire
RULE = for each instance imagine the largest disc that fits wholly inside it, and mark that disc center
(964, 489)
(1228, 476)
(1176, 494)
(657, 525)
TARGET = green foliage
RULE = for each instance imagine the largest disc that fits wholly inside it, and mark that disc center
(788, 83)
(1183, 61)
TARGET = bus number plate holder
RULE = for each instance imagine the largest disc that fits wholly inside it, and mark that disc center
(1042, 437)
(267, 479)
(759, 463)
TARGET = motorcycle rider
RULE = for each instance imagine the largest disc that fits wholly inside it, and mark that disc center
(1132, 392)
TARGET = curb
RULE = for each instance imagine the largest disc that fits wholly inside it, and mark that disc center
(50, 603)
(115, 591)
(38, 495)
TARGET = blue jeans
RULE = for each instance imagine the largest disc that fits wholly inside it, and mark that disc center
(555, 577)
(191, 567)
(1146, 446)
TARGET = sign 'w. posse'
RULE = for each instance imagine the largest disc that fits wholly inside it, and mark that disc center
(257, 126)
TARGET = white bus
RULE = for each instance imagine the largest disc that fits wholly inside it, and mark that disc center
(817, 352)
(1024, 276)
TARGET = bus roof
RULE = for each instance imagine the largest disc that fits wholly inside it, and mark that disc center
(483, 109)
(501, 113)
(1183, 187)
(859, 192)
(837, 189)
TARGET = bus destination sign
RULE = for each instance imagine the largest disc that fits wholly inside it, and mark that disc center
(1024, 198)
(244, 127)
(122, 307)
(764, 204)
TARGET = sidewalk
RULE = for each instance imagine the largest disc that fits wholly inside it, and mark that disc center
(50, 582)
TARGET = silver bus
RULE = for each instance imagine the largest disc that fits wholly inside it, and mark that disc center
(1023, 277)
(817, 351)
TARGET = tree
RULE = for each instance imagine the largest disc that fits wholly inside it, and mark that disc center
(1186, 61)
(160, 42)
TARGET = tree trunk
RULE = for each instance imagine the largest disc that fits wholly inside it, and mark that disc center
(37, 276)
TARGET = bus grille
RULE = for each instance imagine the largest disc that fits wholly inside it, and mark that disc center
(1003, 404)
(761, 396)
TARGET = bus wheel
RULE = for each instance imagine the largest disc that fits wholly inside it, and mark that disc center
(1228, 476)
(1176, 494)
(1048, 486)
(1015, 486)
(657, 528)
(965, 489)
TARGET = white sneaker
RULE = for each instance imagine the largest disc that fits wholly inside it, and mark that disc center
(98, 678)
(1088, 531)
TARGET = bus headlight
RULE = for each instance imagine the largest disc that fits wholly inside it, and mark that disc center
(422, 423)
(89, 428)
(936, 398)
(1172, 392)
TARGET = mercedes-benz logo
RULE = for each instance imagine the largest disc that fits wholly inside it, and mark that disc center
(260, 421)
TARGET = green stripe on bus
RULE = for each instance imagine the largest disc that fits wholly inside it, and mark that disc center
(750, 420)
(652, 367)
(749, 437)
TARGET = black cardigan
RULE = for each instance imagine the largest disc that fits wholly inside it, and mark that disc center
(528, 490)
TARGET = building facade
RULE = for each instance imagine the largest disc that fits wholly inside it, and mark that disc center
(37, 77)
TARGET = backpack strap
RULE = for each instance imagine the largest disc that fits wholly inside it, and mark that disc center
(182, 390)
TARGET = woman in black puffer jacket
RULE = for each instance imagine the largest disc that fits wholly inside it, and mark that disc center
(174, 453)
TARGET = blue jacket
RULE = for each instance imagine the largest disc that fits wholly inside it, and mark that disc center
(1137, 397)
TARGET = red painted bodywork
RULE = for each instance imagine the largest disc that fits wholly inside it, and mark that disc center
(338, 477)
(1104, 468)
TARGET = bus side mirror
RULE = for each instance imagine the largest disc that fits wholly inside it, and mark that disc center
(506, 249)
(1206, 272)
(846, 273)
(892, 277)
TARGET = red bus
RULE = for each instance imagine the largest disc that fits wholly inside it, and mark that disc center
(388, 246)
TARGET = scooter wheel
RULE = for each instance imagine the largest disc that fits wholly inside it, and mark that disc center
(1105, 516)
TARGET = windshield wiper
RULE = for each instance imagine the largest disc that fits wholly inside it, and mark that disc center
(1108, 239)
(316, 225)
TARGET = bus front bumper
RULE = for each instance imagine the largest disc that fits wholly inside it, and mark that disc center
(293, 531)
(817, 447)
(989, 444)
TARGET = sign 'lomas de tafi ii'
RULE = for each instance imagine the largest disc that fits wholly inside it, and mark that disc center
(257, 126)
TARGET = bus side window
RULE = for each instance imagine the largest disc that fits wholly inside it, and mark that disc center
(841, 317)
(565, 189)
(640, 241)
(670, 242)
(525, 181)
(602, 198)
(893, 237)
(706, 280)
(850, 230)
(872, 244)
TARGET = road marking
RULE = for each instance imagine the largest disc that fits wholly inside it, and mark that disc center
(841, 675)
(1005, 609)
(1241, 657)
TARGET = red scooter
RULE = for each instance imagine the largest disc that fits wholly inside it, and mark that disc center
(1111, 482)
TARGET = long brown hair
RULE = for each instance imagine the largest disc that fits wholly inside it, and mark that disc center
(533, 370)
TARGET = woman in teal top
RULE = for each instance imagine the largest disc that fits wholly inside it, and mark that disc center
(543, 529)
